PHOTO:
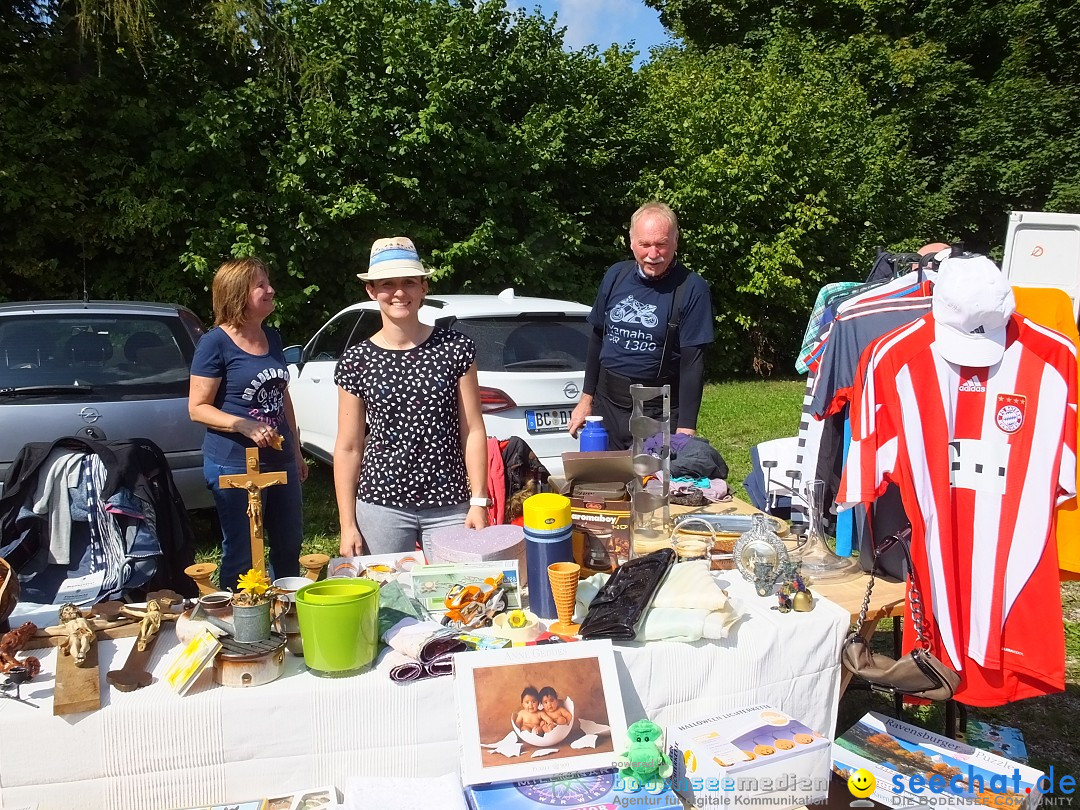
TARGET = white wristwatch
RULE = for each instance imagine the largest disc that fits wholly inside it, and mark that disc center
(479, 501)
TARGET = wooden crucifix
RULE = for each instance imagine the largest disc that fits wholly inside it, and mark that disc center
(254, 482)
(78, 687)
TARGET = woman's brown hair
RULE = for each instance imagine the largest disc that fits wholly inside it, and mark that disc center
(232, 284)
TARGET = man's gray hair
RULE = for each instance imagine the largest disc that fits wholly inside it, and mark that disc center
(655, 208)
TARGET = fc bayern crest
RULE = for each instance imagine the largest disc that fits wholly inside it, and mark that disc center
(1011, 409)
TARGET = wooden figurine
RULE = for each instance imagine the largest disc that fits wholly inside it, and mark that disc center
(77, 684)
(150, 624)
(255, 482)
(11, 643)
(80, 635)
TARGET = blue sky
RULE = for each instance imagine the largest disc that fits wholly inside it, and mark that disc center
(602, 22)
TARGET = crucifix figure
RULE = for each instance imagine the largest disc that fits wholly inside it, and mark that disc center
(254, 482)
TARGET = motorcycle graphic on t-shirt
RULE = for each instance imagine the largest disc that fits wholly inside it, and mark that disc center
(630, 310)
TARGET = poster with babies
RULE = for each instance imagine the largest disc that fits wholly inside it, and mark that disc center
(539, 710)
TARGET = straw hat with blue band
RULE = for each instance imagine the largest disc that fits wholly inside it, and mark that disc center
(395, 257)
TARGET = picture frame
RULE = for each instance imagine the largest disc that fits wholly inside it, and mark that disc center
(503, 741)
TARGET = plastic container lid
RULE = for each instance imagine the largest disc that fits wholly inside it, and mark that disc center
(546, 511)
(459, 544)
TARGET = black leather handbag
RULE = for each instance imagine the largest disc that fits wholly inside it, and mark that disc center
(622, 601)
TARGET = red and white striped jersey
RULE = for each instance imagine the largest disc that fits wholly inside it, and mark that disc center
(982, 456)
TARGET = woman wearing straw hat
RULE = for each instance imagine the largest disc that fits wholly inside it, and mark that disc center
(411, 450)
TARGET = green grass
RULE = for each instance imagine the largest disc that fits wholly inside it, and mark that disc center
(734, 417)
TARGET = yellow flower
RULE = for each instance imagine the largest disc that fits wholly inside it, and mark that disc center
(254, 582)
(516, 618)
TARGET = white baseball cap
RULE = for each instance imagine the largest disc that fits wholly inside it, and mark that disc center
(972, 303)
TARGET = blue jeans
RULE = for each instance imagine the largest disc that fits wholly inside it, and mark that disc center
(283, 523)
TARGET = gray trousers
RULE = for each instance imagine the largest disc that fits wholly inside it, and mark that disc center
(389, 530)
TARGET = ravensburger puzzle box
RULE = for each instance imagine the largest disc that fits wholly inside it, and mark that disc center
(758, 752)
(913, 767)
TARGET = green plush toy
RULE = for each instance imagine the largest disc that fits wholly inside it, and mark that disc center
(647, 764)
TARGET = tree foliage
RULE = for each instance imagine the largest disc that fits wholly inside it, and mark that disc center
(783, 180)
(468, 128)
(143, 142)
(986, 91)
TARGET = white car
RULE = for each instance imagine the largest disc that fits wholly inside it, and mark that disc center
(530, 353)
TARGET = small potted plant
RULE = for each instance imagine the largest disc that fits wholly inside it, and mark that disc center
(251, 607)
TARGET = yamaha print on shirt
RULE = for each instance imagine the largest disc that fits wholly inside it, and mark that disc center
(625, 317)
(634, 312)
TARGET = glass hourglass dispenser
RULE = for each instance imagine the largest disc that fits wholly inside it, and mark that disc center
(819, 563)
(651, 457)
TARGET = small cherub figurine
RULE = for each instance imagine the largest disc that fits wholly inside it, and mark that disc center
(647, 764)
(80, 635)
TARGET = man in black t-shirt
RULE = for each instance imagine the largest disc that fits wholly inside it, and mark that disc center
(637, 338)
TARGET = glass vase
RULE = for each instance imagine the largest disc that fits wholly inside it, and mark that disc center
(819, 563)
(651, 455)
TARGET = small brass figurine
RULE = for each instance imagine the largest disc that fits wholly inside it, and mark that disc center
(793, 593)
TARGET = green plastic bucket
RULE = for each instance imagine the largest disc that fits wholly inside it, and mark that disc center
(336, 591)
(340, 637)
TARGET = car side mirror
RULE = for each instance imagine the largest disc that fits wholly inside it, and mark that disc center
(294, 354)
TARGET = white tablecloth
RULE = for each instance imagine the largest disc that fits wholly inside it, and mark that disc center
(152, 749)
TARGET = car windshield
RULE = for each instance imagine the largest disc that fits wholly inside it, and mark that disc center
(524, 343)
(114, 355)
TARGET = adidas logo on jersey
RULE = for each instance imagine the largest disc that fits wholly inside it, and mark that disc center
(973, 386)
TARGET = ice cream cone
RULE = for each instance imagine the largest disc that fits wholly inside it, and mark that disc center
(563, 577)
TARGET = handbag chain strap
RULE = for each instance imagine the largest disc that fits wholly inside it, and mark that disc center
(915, 600)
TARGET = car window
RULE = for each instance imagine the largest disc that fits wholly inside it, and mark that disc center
(342, 332)
(110, 354)
(528, 342)
(370, 323)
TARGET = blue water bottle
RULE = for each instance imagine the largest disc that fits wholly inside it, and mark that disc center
(593, 436)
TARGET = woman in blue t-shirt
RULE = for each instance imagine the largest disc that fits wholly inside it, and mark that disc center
(239, 390)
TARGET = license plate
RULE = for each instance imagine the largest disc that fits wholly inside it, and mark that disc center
(547, 421)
